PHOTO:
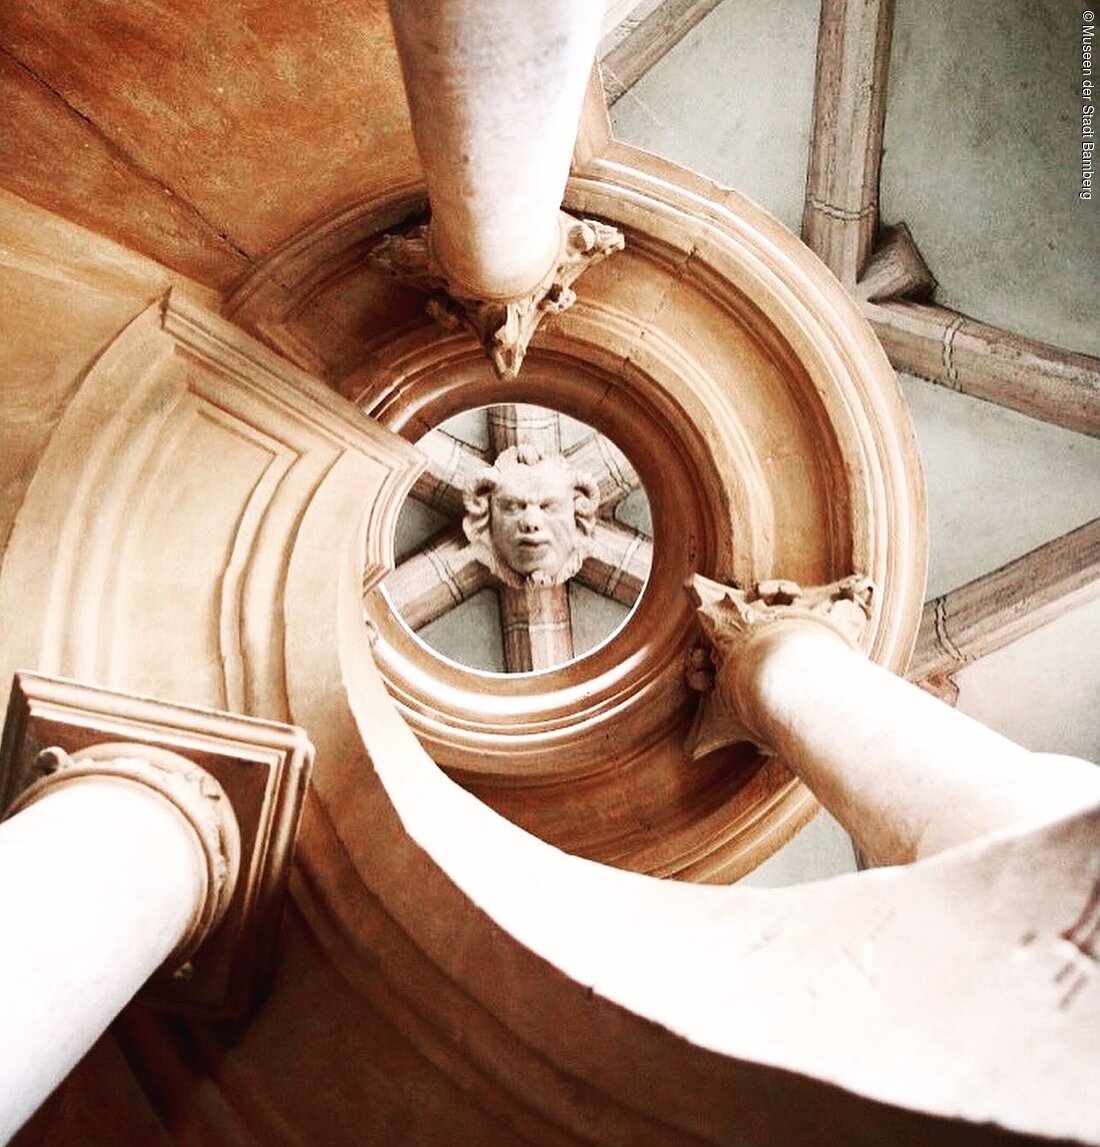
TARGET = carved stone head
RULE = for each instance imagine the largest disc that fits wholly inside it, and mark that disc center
(530, 518)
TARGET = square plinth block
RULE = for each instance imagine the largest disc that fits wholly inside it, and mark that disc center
(264, 768)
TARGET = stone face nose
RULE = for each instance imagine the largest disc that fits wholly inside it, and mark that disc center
(530, 519)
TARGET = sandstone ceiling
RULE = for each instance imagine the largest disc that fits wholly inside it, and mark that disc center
(201, 135)
(220, 141)
(209, 137)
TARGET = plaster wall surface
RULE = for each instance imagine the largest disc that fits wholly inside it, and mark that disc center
(999, 483)
(1052, 680)
(982, 160)
(470, 633)
(822, 849)
(732, 100)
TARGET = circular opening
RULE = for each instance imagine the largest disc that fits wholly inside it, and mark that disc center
(525, 544)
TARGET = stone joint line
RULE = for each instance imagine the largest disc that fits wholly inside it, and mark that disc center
(845, 214)
(445, 573)
(619, 572)
(948, 356)
(946, 642)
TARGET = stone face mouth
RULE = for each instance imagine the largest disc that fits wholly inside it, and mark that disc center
(532, 549)
(531, 554)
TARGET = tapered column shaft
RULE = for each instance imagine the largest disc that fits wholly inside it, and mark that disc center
(907, 775)
(495, 89)
(111, 865)
(99, 882)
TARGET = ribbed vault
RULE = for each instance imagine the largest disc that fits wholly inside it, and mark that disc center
(177, 175)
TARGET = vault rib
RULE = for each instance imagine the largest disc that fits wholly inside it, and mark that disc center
(994, 610)
(1022, 374)
(649, 42)
(840, 217)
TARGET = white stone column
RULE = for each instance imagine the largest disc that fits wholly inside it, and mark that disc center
(111, 866)
(495, 89)
(907, 775)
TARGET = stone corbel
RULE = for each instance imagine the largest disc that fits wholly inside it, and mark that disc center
(504, 327)
(731, 619)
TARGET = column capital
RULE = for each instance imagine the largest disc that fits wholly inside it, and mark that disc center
(730, 616)
(503, 326)
(737, 623)
(191, 791)
(209, 766)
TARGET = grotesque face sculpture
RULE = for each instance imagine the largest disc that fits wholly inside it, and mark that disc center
(529, 518)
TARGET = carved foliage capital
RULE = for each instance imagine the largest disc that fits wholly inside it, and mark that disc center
(503, 327)
(730, 618)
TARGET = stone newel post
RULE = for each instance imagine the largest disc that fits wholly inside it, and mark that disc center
(127, 864)
(495, 91)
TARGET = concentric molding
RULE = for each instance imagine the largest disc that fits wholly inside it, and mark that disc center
(767, 427)
(166, 501)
